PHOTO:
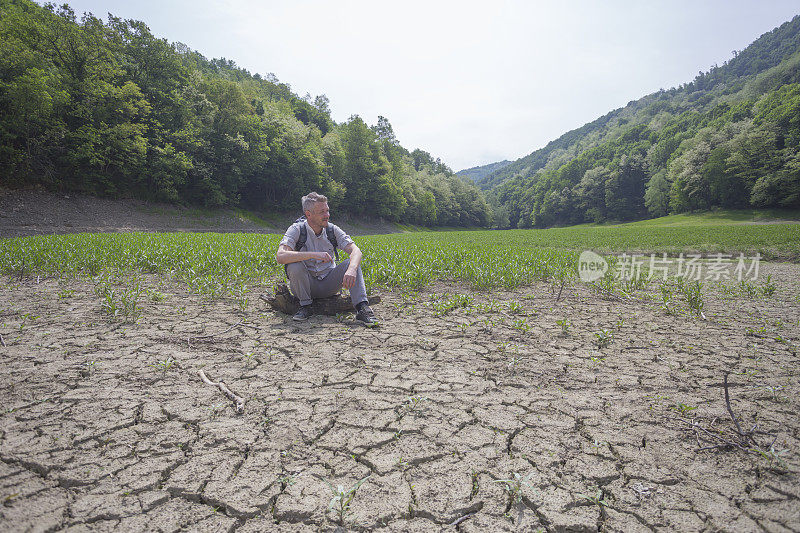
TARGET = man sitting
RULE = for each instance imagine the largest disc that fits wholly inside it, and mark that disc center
(307, 250)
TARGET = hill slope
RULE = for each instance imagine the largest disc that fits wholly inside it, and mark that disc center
(728, 139)
(108, 109)
(478, 173)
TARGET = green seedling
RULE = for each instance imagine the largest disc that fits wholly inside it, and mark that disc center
(157, 296)
(341, 499)
(694, 297)
(515, 308)
(603, 338)
(682, 408)
(565, 325)
(286, 480)
(164, 365)
(768, 288)
(415, 403)
(216, 410)
(514, 485)
(521, 325)
(596, 498)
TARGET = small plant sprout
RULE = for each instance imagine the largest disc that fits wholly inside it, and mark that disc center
(215, 410)
(603, 338)
(682, 408)
(514, 485)
(597, 498)
(414, 403)
(694, 297)
(88, 368)
(565, 324)
(286, 480)
(164, 365)
(248, 357)
(768, 288)
(521, 325)
(341, 499)
(514, 307)
(66, 293)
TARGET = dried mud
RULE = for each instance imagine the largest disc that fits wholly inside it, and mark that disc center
(95, 435)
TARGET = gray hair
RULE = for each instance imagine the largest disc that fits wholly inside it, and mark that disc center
(312, 198)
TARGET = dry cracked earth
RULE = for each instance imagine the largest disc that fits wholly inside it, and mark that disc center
(106, 425)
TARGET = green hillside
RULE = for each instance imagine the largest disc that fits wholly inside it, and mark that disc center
(478, 173)
(729, 139)
(108, 109)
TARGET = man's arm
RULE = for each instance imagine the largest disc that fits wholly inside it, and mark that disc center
(286, 255)
(355, 254)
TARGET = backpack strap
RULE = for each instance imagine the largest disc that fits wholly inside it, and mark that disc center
(334, 241)
(301, 240)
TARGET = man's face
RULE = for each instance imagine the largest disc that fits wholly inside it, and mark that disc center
(319, 214)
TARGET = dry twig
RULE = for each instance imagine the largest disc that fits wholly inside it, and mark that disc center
(237, 400)
(717, 439)
(2, 341)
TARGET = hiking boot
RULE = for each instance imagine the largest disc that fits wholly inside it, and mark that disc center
(366, 316)
(303, 313)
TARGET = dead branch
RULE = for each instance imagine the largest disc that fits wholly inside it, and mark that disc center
(728, 405)
(2, 341)
(735, 438)
(461, 519)
(238, 401)
(199, 337)
(563, 282)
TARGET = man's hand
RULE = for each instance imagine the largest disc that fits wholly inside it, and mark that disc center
(325, 257)
(349, 279)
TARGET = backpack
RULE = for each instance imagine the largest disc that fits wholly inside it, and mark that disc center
(301, 240)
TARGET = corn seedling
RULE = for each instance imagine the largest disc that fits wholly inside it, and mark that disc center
(415, 403)
(514, 485)
(596, 498)
(286, 480)
(565, 325)
(521, 325)
(341, 499)
(603, 338)
(682, 408)
(515, 308)
(768, 288)
(164, 365)
(694, 297)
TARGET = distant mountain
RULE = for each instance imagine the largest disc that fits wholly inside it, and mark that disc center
(478, 173)
(730, 138)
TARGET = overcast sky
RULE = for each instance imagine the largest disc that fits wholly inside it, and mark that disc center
(470, 82)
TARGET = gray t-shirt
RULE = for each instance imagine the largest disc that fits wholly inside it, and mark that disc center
(317, 243)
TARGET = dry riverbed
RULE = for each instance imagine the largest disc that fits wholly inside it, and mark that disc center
(107, 426)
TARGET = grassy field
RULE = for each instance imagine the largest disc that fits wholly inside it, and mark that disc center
(483, 259)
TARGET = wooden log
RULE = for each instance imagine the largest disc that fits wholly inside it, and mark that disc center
(285, 302)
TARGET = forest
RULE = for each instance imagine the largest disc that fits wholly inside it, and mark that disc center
(108, 109)
(728, 139)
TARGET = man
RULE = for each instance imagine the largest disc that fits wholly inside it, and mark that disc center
(310, 267)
